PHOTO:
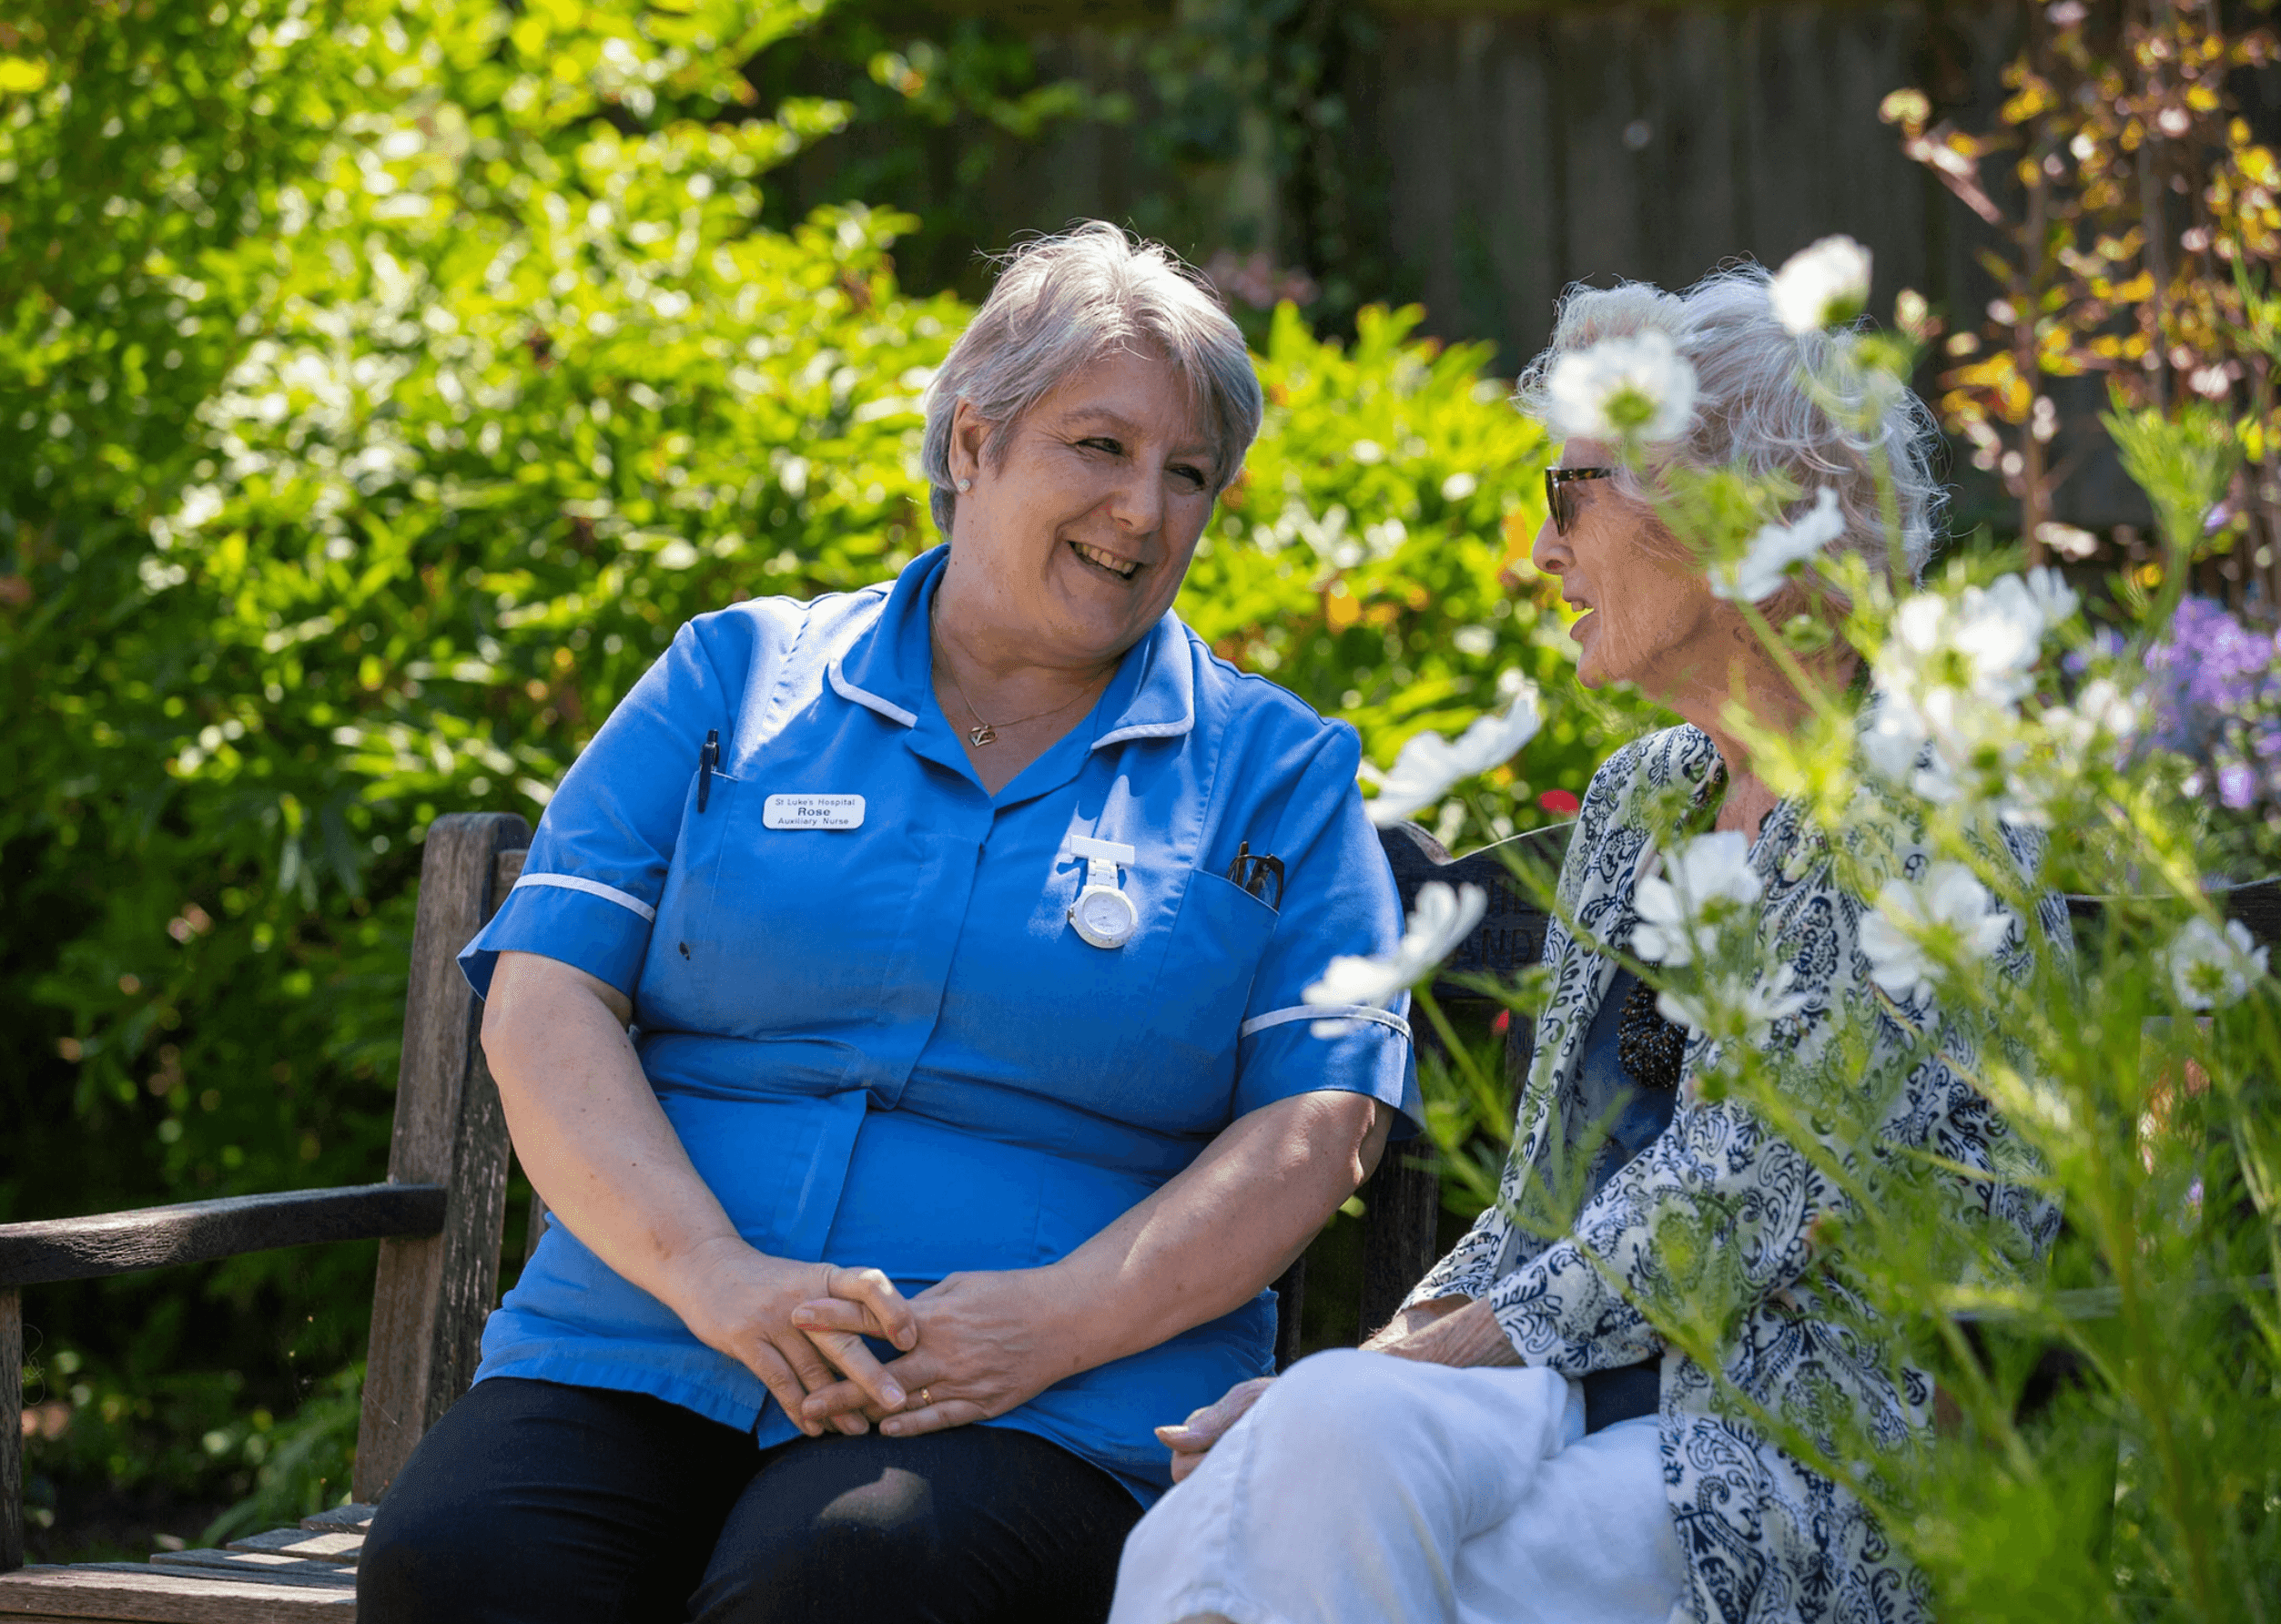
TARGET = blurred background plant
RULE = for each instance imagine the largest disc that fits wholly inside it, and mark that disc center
(2136, 225)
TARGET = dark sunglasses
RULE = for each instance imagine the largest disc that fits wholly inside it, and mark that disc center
(1558, 501)
(1257, 872)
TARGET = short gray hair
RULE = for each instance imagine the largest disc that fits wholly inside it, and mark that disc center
(1062, 303)
(1772, 401)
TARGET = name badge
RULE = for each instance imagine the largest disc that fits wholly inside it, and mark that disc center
(812, 812)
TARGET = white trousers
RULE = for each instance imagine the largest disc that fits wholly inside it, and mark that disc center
(1363, 1488)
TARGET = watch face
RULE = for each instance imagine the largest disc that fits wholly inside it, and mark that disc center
(1106, 913)
(1104, 919)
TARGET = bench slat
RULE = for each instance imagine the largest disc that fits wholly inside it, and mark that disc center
(258, 1567)
(111, 1590)
(345, 1519)
(53, 1249)
(1512, 931)
(338, 1548)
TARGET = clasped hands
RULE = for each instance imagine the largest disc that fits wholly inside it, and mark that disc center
(973, 1347)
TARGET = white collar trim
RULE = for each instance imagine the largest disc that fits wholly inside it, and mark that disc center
(1146, 730)
(848, 691)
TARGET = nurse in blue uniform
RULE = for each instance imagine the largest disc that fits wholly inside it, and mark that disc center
(901, 1011)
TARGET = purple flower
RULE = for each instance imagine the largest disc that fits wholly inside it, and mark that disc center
(2214, 687)
(2210, 667)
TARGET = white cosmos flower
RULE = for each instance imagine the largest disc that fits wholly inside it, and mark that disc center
(1634, 387)
(1439, 921)
(2211, 970)
(1730, 1008)
(1428, 764)
(1824, 285)
(1706, 883)
(1766, 563)
(1999, 629)
(1915, 928)
(1939, 653)
(1952, 669)
(1891, 744)
(2102, 711)
(1980, 750)
(2054, 600)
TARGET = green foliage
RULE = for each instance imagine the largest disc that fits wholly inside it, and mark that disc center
(1252, 113)
(300, 1466)
(939, 108)
(396, 413)
(2183, 463)
(160, 1439)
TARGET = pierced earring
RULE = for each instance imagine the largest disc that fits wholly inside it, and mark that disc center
(965, 485)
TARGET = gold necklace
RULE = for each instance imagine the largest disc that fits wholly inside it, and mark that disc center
(986, 733)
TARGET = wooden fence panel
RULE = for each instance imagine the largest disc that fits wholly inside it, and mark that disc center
(1527, 150)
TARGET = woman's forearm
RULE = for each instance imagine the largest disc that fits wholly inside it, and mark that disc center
(1409, 1322)
(1223, 1228)
(588, 1128)
(1466, 1337)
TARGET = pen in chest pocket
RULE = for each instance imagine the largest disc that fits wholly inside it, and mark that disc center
(708, 756)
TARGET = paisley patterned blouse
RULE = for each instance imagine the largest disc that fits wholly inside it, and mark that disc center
(1765, 1537)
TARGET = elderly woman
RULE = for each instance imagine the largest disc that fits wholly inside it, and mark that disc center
(1533, 1451)
(970, 1101)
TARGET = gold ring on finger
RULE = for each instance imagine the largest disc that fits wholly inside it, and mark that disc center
(925, 1399)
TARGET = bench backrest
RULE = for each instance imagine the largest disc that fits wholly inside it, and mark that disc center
(433, 1292)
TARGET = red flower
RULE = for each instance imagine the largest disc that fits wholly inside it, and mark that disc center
(1558, 802)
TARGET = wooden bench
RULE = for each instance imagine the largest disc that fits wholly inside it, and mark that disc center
(440, 1215)
(439, 1218)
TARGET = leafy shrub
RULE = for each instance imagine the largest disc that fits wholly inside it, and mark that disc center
(421, 389)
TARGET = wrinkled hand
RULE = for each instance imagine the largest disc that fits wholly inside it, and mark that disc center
(742, 1302)
(1192, 1438)
(986, 1344)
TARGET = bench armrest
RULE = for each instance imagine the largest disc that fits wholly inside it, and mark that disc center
(53, 1249)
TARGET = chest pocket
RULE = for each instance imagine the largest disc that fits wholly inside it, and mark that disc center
(764, 932)
(1201, 981)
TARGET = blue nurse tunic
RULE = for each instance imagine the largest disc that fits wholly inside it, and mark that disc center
(872, 1023)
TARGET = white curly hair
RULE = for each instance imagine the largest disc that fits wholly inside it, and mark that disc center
(1770, 401)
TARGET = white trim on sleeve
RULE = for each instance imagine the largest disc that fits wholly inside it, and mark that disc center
(593, 887)
(1387, 1018)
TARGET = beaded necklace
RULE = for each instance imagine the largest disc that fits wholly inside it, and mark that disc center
(1649, 1044)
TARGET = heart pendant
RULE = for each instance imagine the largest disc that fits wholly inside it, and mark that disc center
(981, 736)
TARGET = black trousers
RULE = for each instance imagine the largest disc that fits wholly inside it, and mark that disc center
(532, 1501)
